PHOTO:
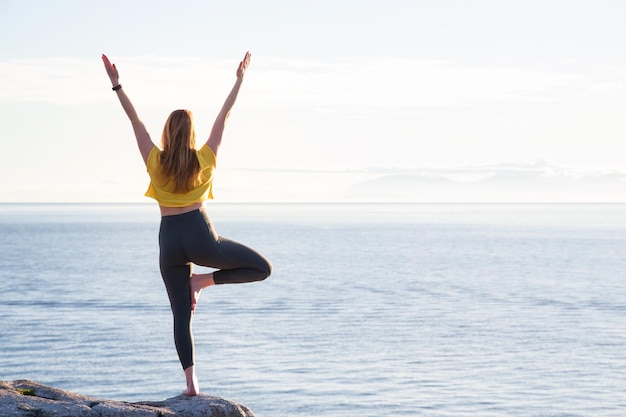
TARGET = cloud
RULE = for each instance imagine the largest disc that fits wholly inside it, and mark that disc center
(362, 83)
(399, 82)
(538, 181)
(73, 81)
(53, 80)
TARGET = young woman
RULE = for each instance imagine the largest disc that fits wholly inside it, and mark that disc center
(181, 179)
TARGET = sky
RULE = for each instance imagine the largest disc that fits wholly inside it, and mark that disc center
(344, 100)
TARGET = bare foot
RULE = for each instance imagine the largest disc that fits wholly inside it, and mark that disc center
(191, 392)
(196, 289)
(197, 283)
(193, 388)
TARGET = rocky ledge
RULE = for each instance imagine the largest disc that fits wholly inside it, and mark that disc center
(30, 399)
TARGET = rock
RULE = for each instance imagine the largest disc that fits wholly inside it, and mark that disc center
(25, 398)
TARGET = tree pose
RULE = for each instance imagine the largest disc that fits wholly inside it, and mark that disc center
(181, 179)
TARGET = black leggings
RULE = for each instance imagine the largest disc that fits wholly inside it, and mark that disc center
(190, 238)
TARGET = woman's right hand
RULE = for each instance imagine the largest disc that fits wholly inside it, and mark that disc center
(112, 72)
(243, 65)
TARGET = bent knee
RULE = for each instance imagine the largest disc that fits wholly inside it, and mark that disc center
(269, 269)
(265, 270)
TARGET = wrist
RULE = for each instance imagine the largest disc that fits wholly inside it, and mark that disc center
(117, 87)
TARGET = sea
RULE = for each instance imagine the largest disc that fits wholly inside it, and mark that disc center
(372, 310)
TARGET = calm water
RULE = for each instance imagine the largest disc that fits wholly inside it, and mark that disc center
(373, 310)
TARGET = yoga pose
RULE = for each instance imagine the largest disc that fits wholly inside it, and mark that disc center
(181, 179)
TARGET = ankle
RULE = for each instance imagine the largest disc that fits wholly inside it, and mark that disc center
(193, 387)
(204, 280)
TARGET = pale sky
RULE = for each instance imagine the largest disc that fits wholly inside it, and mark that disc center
(344, 100)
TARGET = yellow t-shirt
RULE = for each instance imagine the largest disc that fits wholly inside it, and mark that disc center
(164, 192)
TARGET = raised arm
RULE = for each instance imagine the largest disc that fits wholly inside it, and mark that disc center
(215, 138)
(144, 142)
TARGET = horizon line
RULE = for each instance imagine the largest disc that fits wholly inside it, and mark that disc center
(320, 202)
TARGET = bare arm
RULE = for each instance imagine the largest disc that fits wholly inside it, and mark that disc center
(144, 142)
(215, 138)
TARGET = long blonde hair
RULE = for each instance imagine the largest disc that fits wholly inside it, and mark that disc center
(178, 159)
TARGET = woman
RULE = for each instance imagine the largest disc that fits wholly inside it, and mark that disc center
(181, 178)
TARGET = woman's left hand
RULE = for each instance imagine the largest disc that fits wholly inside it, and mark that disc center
(111, 70)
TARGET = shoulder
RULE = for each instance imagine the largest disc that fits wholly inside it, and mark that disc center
(206, 157)
(153, 157)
